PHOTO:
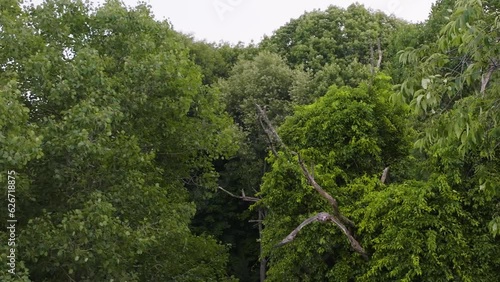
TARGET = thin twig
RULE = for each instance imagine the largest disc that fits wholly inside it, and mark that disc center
(244, 197)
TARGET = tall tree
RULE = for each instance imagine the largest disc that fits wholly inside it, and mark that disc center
(348, 133)
(454, 90)
(116, 123)
(265, 79)
(335, 35)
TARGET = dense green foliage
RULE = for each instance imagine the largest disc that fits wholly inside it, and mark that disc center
(455, 91)
(431, 223)
(335, 35)
(346, 134)
(121, 130)
(117, 121)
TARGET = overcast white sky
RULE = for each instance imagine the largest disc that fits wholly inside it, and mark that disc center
(246, 20)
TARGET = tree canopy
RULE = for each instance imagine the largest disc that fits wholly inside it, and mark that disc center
(118, 121)
(349, 145)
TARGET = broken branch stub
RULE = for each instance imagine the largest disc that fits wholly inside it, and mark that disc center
(385, 173)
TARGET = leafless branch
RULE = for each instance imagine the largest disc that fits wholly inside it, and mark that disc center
(317, 187)
(337, 218)
(321, 217)
(324, 217)
(305, 171)
(487, 76)
(379, 62)
(372, 60)
(243, 197)
(354, 243)
(385, 173)
(269, 137)
(332, 201)
(270, 128)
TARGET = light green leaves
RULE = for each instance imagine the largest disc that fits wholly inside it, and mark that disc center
(343, 136)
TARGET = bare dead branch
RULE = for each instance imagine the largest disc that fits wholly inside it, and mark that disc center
(317, 187)
(385, 173)
(340, 220)
(305, 171)
(372, 60)
(243, 197)
(487, 76)
(324, 217)
(332, 201)
(270, 128)
(269, 137)
(380, 54)
(354, 243)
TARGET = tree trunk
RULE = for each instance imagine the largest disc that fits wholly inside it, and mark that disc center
(263, 260)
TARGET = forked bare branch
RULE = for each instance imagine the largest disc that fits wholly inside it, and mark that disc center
(321, 217)
(337, 218)
(325, 217)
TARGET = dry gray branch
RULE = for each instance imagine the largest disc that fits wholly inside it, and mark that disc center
(487, 76)
(243, 197)
(322, 217)
(340, 220)
(385, 173)
(325, 217)
(380, 53)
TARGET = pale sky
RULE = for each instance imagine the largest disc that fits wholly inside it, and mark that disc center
(245, 20)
